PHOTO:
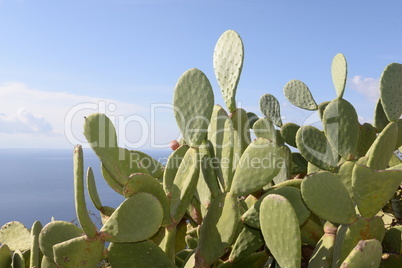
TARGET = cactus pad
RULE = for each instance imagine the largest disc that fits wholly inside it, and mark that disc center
(288, 132)
(315, 148)
(218, 229)
(16, 236)
(132, 220)
(278, 223)
(139, 182)
(252, 175)
(383, 147)
(338, 207)
(184, 184)
(391, 91)
(299, 95)
(78, 252)
(54, 233)
(341, 128)
(367, 253)
(142, 254)
(372, 189)
(263, 128)
(339, 73)
(270, 108)
(228, 63)
(193, 102)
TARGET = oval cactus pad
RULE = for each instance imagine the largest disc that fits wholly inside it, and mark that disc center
(136, 219)
(269, 106)
(228, 63)
(193, 104)
(315, 148)
(339, 71)
(328, 198)
(299, 95)
(391, 91)
(278, 223)
(342, 128)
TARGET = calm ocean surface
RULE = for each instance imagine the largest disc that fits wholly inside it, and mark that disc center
(37, 184)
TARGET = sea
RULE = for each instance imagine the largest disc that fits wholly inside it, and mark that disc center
(37, 184)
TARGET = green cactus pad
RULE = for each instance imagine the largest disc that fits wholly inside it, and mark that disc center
(325, 186)
(171, 168)
(5, 256)
(312, 230)
(35, 251)
(79, 194)
(193, 101)
(350, 235)
(391, 91)
(259, 164)
(93, 192)
(278, 223)
(227, 160)
(393, 239)
(322, 254)
(270, 108)
(367, 253)
(315, 148)
(132, 220)
(383, 147)
(248, 241)
(299, 95)
(184, 184)
(339, 71)
(263, 128)
(366, 138)
(138, 255)
(288, 132)
(56, 232)
(228, 63)
(101, 135)
(207, 172)
(16, 236)
(372, 189)
(139, 182)
(218, 229)
(341, 127)
(78, 252)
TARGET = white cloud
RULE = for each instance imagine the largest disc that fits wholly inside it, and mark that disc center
(366, 86)
(25, 122)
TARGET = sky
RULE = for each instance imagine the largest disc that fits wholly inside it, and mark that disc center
(63, 60)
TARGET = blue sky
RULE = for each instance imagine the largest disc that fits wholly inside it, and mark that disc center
(62, 60)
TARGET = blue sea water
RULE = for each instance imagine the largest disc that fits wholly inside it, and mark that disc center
(37, 184)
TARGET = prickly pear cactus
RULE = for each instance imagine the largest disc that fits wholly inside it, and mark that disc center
(226, 200)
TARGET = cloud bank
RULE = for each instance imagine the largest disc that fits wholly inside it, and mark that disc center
(25, 122)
